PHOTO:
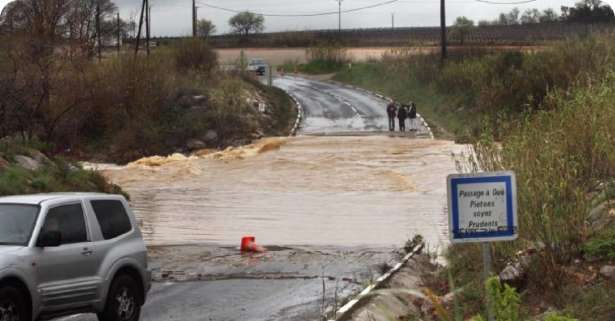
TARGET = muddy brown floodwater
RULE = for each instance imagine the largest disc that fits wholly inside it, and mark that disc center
(373, 190)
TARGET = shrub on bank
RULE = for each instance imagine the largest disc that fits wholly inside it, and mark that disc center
(51, 175)
(127, 107)
(194, 55)
(476, 83)
(563, 158)
(323, 58)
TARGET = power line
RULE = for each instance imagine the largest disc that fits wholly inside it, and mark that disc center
(329, 13)
(510, 3)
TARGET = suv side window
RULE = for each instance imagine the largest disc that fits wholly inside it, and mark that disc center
(69, 221)
(112, 218)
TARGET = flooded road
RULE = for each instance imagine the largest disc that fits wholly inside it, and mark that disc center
(375, 190)
(331, 204)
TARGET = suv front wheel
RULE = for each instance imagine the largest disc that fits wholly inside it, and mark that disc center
(123, 301)
(12, 305)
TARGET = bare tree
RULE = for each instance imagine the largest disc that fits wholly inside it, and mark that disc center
(80, 22)
(41, 75)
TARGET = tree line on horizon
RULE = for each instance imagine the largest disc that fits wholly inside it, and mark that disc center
(585, 11)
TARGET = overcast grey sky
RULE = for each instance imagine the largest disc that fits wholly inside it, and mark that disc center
(172, 17)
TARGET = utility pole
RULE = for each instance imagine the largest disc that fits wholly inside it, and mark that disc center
(392, 20)
(98, 38)
(140, 27)
(194, 17)
(119, 33)
(339, 2)
(148, 21)
(443, 28)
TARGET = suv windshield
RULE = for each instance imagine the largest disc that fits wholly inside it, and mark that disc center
(16, 223)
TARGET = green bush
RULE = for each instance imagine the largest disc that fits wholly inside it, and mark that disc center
(499, 86)
(327, 57)
(563, 156)
(195, 55)
(504, 300)
(559, 157)
(602, 246)
(557, 317)
(15, 180)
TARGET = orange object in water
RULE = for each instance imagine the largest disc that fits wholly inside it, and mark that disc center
(248, 244)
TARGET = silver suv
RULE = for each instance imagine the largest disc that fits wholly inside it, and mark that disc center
(62, 254)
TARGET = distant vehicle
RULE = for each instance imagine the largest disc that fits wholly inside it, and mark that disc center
(258, 66)
(62, 254)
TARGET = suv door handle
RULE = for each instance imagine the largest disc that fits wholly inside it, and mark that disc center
(87, 252)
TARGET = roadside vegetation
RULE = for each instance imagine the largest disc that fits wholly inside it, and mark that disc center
(563, 159)
(547, 115)
(56, 90)
(127, 107)
(25, 170)
(323, 58)
(476, 84)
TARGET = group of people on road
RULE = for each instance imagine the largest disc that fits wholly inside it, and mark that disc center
(402, 112)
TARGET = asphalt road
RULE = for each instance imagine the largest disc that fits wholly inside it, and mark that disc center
(285, 283)
(329, 108)
(288, 285)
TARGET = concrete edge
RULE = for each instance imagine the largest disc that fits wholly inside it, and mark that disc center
(293, 131)
(383, 97)
(344, 311)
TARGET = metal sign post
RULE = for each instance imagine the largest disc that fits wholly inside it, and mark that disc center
(487, 271)
(483, 209)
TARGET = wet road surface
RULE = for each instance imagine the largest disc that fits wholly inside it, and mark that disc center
(330, 108)
(341, 196)
(286, 283)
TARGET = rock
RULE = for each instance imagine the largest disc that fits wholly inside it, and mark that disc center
(258, 134)
(40, 157)
(386, 305)
(195, 144)
(600, 217)
(513, 275)
(510, 273)
(525, 261)
(608, 271)
(211, 135)
(27, 162)
(447, 299)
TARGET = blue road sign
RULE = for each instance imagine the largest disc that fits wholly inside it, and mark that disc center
(482, 207)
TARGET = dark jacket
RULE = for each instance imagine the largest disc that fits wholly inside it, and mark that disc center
(402, 113)
(412, 113)
(391, 110)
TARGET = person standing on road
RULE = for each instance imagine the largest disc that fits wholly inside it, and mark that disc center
(391, 112)
(402, 114)
(412, 116)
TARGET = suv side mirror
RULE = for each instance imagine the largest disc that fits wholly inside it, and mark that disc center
(49, 239)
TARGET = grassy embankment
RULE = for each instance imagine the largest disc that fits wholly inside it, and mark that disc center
(549, 117)
(397, 84)
(41, 174)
